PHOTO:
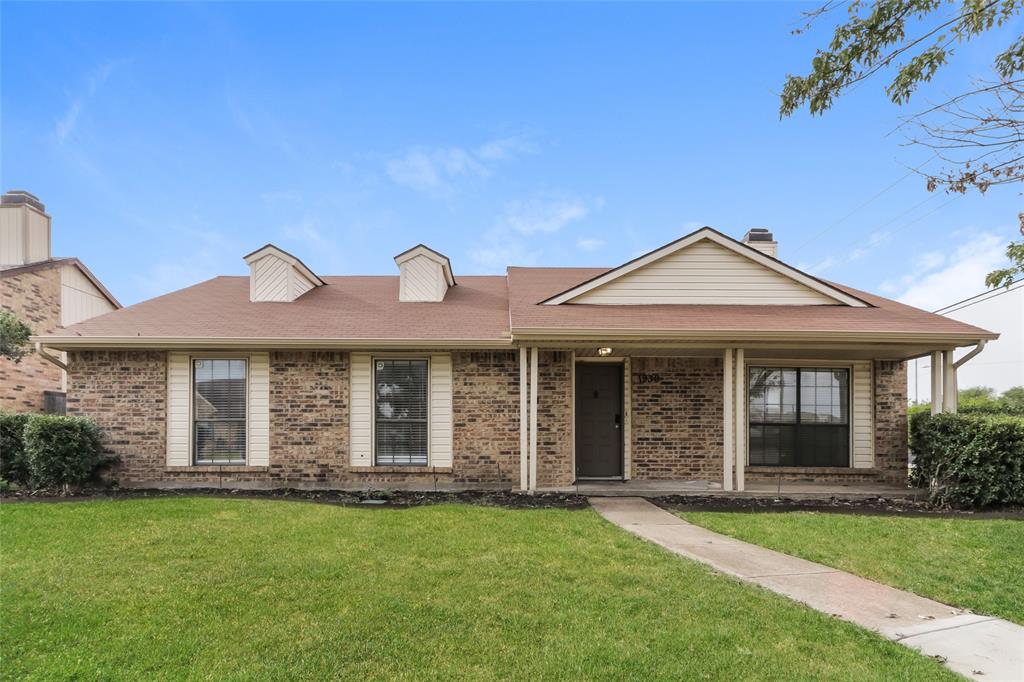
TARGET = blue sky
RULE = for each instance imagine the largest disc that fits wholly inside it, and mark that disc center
(168, 140)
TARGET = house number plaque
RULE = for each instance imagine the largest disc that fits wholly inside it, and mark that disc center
(643, 378)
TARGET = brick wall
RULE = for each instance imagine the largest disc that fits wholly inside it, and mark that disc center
(891, 420)
(34, 297)
(485, 402)
(554, 420)
(126, 393)
(677, 419)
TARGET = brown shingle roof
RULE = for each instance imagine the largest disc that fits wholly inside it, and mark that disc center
(480, 309)
(529, 286)
(347, 308)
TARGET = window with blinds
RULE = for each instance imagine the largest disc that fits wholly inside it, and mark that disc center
(799, 416)
(400, 412)
(219, 390)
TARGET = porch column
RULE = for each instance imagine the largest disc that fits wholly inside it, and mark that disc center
(741, 420)
(728, 423)
(533, 419)
(936, 382)
(524, 428)
(949, 397)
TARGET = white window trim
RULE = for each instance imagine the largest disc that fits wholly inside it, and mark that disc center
(192, 408)
(373, 406)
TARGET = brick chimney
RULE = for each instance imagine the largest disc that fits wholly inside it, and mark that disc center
(761, 239)
(24, 229)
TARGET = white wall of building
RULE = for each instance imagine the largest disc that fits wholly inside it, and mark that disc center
(1001, 364)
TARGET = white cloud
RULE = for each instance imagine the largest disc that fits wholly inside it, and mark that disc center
(939, 278)
(66, 125)
(435, 170)
(851, 255)
(541, 215)
(208, 256)
(589, 244)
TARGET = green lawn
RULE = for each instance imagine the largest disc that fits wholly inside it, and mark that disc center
(214, 588)
(976, 564)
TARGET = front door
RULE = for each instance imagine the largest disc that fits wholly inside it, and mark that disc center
(598, 420)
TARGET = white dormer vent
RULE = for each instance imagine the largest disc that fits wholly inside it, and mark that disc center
(276, 275)
(425, 275)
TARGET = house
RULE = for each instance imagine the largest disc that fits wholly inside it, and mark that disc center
(707, 359)
(1002, 365)
(45, 293)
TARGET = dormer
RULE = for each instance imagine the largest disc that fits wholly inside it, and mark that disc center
(424, 275)
(276, 275)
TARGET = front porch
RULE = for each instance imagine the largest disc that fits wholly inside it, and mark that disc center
(797, 490)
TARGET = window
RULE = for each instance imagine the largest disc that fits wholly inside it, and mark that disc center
(799, 416)
(400, 412)
(219, 411)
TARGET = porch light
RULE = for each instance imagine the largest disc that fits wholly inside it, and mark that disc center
(604, 352)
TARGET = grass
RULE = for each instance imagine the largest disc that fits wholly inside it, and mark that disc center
(970, 563)
(209, 588)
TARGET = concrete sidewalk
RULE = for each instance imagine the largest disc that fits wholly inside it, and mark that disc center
(979, 647)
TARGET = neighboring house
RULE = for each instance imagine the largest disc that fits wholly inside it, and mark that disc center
(707, 359)
(45, 293)
(1001, 365)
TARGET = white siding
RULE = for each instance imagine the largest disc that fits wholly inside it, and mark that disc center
(259, 409)
(704, 272)
(440, 411)
(300, 284)
(862, 419)
(12, 236)
(79, 297)
(269, 280)
(178, 415)
(361, 411)
(422, 279)
(37, 228)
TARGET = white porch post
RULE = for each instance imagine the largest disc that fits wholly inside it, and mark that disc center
(741, 420)
(727, 419)
(524, 429)
(949, 397)
(533, 418)
(936, 382)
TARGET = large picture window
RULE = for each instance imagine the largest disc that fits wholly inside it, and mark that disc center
(799, 416)
(400, 412)
(219, 411)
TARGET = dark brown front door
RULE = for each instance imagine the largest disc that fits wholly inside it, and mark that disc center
(598, 420)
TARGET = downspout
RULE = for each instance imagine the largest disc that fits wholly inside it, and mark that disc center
(49, 358)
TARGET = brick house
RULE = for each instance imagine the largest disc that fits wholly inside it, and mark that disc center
(44, 292)
(706, 360)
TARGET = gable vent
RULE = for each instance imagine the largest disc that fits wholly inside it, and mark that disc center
(425, 275)
(276, 275)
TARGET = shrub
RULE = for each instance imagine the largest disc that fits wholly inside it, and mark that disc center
(62, 451)
(969, 459)
(13, 466)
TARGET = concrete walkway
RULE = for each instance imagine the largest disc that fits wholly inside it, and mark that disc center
(978, 647)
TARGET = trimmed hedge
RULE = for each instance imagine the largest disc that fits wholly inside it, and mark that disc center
(969, 459)
(62, 451)
(13, 465)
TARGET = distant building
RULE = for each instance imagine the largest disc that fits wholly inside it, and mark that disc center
(46, 293)
(1001, 364)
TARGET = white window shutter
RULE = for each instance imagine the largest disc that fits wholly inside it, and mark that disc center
(440, 410)
(259, 409)
(179, 386)
(360, 410)
(862, 418)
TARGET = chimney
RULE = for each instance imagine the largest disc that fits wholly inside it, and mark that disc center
(24, 229)
(424, 275)
(761, 239)
(276, 275)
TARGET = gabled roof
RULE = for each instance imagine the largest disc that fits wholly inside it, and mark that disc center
(427, 252)
(57, 262)
(271, 250)
(764, 260)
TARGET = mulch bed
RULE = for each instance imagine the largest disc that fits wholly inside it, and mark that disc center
(505, 498)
